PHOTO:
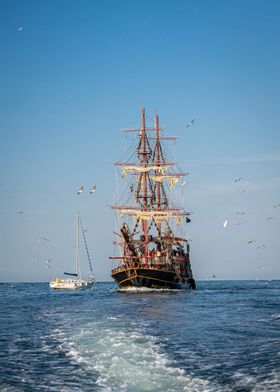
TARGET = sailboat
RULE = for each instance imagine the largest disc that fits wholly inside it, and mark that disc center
(151, 253)
(73, 280)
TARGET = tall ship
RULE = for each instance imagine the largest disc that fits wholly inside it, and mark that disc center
(152, 249)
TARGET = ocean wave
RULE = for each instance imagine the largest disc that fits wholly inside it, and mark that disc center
(245, 382)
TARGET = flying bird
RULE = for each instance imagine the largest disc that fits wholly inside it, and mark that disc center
(250, 242)
(271, 217)
(20, 29)
(20, 212)
(263, 266)
(238, 179)
(45, 239)
(190, 123)
(80, 190)
(225, 223)
(48, 263)
(261, 246)
(93, 189)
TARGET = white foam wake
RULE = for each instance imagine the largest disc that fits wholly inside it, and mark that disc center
(145, 290)
(127, 359)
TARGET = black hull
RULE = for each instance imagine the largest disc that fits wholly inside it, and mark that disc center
(151, 278)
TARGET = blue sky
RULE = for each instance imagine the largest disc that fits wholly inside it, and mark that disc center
(79, 71)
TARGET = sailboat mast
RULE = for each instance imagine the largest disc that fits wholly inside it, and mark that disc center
(78, 271)
(144, 162)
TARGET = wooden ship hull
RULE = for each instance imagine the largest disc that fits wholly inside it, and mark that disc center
(151, 278)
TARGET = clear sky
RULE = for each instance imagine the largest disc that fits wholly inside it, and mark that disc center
(73, 73)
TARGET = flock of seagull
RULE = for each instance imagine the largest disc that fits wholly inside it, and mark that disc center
(92, 190)
(259, 247)
(44, 239)
(226, 221)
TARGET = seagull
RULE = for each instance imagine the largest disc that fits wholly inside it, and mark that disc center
(93, 189)
(238, 179)
(190, 123)
(80, 190)
(20, 29)
(276, 205)
(45, 239)
(250, 242)
(225, 223)
(271, 217)
(48, 263)
(20, 212)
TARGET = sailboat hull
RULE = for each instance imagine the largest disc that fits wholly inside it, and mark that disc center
(71, 284)
(151, 278)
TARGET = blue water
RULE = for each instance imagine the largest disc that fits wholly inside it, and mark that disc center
(225, 336)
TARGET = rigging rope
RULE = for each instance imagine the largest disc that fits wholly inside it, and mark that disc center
(85, 242)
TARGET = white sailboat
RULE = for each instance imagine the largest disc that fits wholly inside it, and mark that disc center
(74, 280)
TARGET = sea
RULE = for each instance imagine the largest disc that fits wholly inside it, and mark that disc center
(224, 336)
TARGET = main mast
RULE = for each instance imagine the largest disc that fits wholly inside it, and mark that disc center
(144, 162)
(158, 184)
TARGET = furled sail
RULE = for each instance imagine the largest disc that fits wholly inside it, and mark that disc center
(157, 216)
(138, 169)
(70, 274)
(173, 178)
